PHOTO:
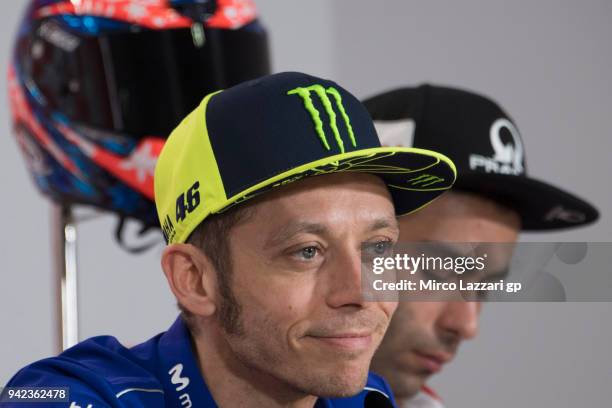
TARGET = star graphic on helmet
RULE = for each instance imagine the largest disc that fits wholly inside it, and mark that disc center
(159, 21)
(142, 161)
(135, 10)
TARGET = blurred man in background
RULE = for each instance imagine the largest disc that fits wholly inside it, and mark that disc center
(493, 200)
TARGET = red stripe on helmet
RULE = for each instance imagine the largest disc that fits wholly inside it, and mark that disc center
(153, 14)
(150, 14)
(135, 170)
(233, 14)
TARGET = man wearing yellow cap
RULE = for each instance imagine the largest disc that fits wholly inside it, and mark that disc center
(263, 257)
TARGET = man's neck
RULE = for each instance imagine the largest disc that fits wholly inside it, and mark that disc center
(233, 384)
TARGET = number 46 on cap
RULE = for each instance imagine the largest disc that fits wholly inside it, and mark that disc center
(187, 202)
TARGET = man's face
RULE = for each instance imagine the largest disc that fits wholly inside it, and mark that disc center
(423, 336)
(296, 279)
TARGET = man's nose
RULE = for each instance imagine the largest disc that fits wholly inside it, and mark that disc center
(460, 319)
(344, 280)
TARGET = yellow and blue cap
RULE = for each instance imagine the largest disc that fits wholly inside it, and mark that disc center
(265, 133)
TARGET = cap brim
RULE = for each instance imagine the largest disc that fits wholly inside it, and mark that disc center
(540, 205)
(414, 176)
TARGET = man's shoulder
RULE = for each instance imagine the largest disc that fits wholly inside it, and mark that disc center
(98, 372)
(426, 398)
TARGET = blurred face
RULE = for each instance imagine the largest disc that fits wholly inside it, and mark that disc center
(423, 336)
(302, 323)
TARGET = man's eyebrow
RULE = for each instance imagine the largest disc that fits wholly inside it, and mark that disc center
(382, 223)
(440, 248)
(305, 227)
(291, 230)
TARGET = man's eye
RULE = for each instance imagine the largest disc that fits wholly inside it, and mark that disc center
(308, 252)
(380, 247)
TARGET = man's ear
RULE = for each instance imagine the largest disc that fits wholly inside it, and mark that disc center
(191, 277)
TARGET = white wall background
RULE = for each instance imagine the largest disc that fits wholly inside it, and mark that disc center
(548, 63)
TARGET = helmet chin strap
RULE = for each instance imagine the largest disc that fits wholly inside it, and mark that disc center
(142, 243)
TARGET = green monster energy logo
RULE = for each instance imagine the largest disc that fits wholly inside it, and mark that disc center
(323, 95)
(425, 180)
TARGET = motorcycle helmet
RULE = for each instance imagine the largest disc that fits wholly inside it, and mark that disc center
(96, 86)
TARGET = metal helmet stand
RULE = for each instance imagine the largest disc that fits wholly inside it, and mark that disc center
(64, 232)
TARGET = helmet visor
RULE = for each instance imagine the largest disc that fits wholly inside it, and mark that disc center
(143, 83)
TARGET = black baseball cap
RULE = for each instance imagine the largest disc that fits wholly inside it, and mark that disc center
(485, 145)
(265, 133)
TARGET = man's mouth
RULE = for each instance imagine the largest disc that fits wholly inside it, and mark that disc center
(347, 341)
(432, 361)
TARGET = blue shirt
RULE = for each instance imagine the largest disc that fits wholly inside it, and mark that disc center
(160, 373)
